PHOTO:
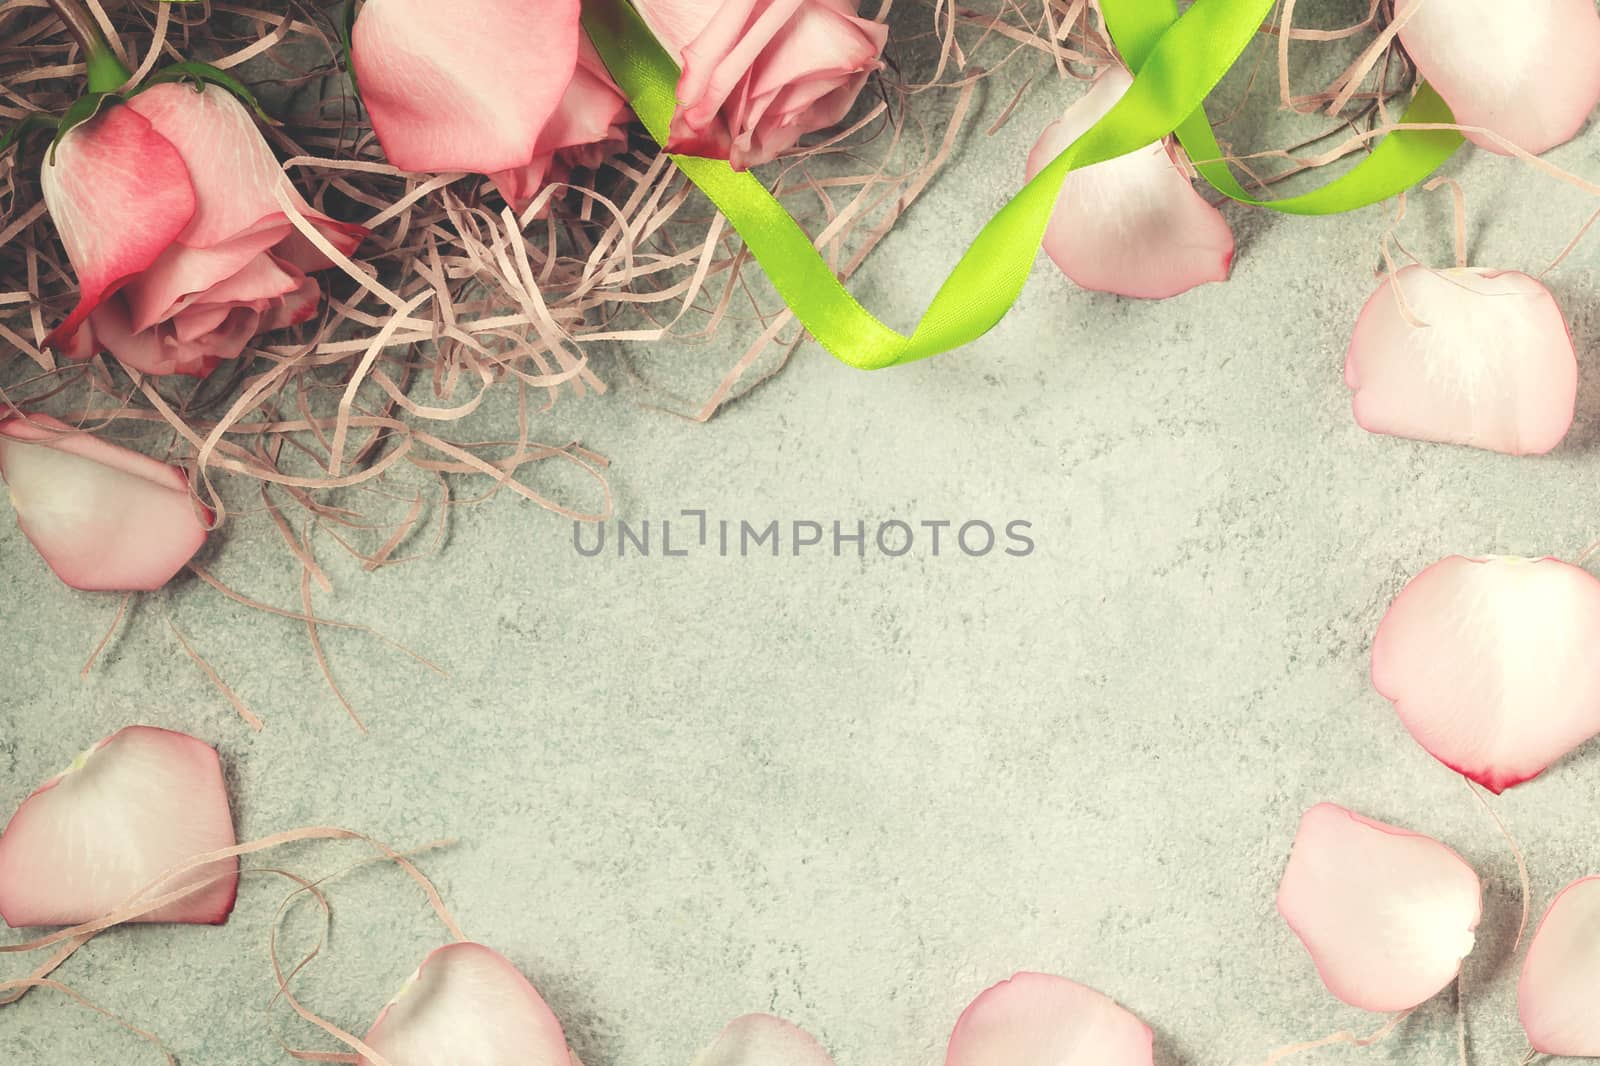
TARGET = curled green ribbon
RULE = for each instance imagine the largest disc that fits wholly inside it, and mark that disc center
(1176, 60)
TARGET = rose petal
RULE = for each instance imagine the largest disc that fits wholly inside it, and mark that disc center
(104, 518)
(1530, 72)
(1133, 225)
(1386, 914)
(119, 194)
(130, 808)
(1561, 975)
(1038, 1020)
(762, 1040)
(1491, 664)
(467, 1004)
(466, 85)
(1489, 362)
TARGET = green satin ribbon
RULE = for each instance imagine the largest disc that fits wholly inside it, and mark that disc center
(1177, 61)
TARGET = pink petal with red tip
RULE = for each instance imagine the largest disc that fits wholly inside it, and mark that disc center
(1530, 72)
(467, 85)
(119, 194)
(1561, 976)
(1484, 359)
(104, 518)
(1386, 914)
(467, 1004)
(762, 1040)
(1036, 1019)
(1491, 664)
(1132, 225)
(130, 808)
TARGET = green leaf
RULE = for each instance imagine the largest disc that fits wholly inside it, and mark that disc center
(201, 74)
(345, 27)
(36, 121)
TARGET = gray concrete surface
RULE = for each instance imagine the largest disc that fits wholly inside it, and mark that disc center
(856, 792)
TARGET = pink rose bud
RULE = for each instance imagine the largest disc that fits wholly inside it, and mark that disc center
(760, 74)
(104, 518)
(167, 208)
(506, 88)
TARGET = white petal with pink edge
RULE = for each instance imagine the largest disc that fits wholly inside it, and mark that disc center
(762, 1040)
(1037, 1019)
(104, 518)
(463, 86)
(1386, 914)
(1491, 664)
(467, 1004)
(1561, 976)
(119, 194)
(1530, 71)
(1464, 356)
(1133, 225)
(135, 805)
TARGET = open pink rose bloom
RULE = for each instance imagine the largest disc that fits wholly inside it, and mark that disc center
(127, 811)
(1491, 664)
(1475, 357)
(1133, 225)
(1387, 915)
(168, 210)
(104, 518)
(460, 87)
(760, 74)
(1529, 72)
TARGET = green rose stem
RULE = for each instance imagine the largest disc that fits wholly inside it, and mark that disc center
(106, 72)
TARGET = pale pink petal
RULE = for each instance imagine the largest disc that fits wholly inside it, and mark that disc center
(236, 178)
(161, 350)
(1473, 357)
(1134, 225)
(1528, 71)
(119, 194)
(1038, 1020)
(129, 809)
(468, 1004)
(1561, 976)
(1386, 914)
(467, 85)
(104, 518)
(762, 1040)
(184, 274)
(1491, 664)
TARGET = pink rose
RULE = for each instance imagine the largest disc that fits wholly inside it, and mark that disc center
(507, 88)
(166, 207)
(760, 74)
(104, 518)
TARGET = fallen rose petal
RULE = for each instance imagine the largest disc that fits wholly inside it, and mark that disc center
(1036, 1019)
(1133, 225)
(104, 518)
(467, 85)
(1491, 664)
(132, 807)
(1530, 72)
(1484, 359)
(119, 195)
(468, 1004)
(1386, 914)
(1561, 976)
(762, 1040)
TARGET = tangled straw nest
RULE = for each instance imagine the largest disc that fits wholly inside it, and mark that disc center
(453, 296)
